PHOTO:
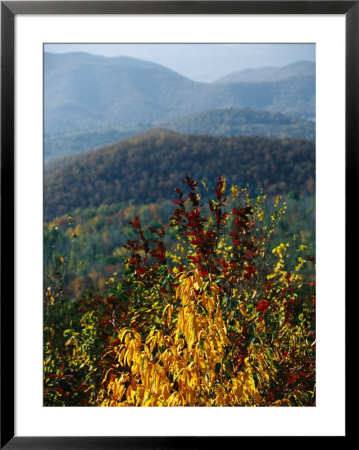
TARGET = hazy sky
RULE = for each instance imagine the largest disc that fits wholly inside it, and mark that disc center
(201, 62)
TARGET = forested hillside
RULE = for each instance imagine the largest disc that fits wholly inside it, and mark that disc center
(146, 168)
(243, 122)
(218, 122)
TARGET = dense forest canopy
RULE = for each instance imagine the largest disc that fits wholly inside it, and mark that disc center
(146, 168)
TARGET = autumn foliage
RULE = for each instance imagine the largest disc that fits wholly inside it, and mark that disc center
(219, 319)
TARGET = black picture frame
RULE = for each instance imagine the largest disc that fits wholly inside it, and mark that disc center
(9, 9)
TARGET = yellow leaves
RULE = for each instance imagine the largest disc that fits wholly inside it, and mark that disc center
(242, 309)
(187, 324)
(188, 360)
(257, 398)
(178, 291)
(280, 249)
(234, 191)
(189, 352)
(191, 398)
(243, 389)
(123, 333)
(175, 399)
(194, 281)
(167, 319)
(301, 262)
(148, 401)
(209, 304)
(140, 395)
(131, 395)
(215, 288)
(116, 387)
(282, 402)
(175, 258)
(105, 378)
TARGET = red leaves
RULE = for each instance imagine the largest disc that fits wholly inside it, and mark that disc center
(291, 378)
(135, 223)
(191, 183)
(195, 259)
(205, 236)
(140, 270)
(250, 271)
(219, 190)
(262, 305)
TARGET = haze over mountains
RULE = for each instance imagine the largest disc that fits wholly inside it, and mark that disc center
(145, 126)
(217, 122)
(122, 132)
(243, 122)
(200, 62)
(265, 74)
(85, 91)
(94, 100)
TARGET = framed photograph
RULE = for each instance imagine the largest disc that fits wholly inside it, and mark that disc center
(175, 183)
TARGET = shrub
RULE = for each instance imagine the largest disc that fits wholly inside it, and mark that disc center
(219, 319)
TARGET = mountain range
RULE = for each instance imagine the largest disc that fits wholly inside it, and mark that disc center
(202, 61)
(265, 74)
(86, 92)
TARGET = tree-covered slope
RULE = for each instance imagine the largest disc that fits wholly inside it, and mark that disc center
(65, 145)
(218, 122)
(243, 122)
(146, 168)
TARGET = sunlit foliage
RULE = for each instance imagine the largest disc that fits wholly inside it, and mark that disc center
(223, 318)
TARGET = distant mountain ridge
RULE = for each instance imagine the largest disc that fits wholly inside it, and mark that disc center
(86, 91)
(147, 167)
(243, 122)
(219, 122)
(212, 60)
(83, 91)
(271, 74)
